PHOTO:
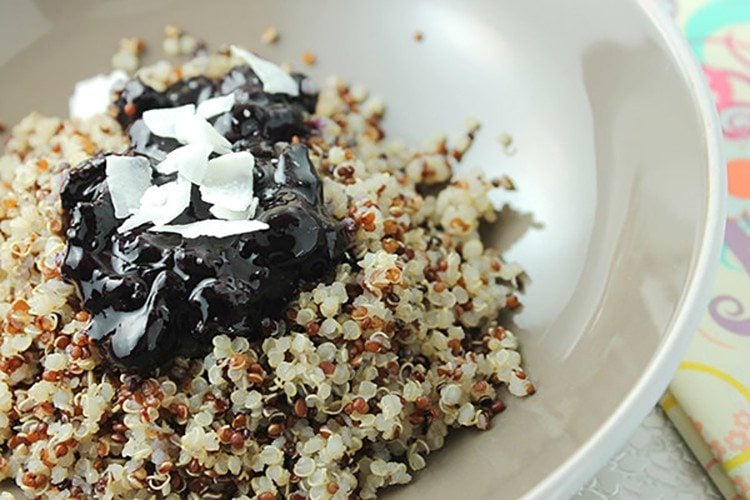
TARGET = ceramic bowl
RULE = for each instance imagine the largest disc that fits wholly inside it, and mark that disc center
(618, 211)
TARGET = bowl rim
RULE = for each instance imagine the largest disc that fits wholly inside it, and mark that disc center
(611, 436)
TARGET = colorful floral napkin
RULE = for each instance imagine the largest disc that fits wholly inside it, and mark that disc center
(709, 398)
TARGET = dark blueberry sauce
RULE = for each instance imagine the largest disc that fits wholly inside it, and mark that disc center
(170, 295)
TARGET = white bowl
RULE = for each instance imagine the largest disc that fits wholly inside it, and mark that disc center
(618, 215)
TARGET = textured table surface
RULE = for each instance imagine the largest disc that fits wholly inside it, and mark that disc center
(655, 463)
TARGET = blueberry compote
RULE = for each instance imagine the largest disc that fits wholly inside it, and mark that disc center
(165, 295)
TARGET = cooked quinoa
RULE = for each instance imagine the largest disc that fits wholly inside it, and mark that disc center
(350, 394)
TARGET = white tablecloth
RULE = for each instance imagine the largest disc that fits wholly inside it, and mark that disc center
(654, 464)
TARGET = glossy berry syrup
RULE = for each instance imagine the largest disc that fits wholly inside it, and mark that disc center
(170, 295)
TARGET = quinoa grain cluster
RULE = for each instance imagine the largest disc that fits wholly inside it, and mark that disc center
(347, 394)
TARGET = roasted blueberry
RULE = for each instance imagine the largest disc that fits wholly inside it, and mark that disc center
(135, 98)
(153, 296)
(190, 91)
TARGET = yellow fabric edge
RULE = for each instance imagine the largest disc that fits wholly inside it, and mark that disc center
(698, 446)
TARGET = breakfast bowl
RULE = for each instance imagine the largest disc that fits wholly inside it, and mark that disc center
(597, 113)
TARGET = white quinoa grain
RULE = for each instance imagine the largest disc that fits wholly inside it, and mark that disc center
(55, 361)
(304, 467)
(188, 45)
(270, 35)
(451, 394)
(171, 46)
(126, 61)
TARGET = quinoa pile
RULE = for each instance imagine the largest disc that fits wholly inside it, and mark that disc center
(348, 395)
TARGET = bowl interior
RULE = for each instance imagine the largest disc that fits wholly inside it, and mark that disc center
(608, 145)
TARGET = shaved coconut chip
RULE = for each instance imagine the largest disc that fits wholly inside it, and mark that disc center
(195, 129)
(213, 228)
(215, 106)
(191, 161)
(160, 204)
(163, 122)
(228, 182)
(223, 213)
(275, 80)
(93, 95)
(235, 196)
(128, 178)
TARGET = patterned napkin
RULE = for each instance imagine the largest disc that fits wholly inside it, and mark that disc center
(709, 398)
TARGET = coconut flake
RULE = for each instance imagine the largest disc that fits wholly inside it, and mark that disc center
(93, 95)
(163, 121)
(190, 160)
(213, 228)
(228, 182)
(195, 129)
(160, 204)
(128, 178)
(215, 106)
(223, 213)
(275, 80)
